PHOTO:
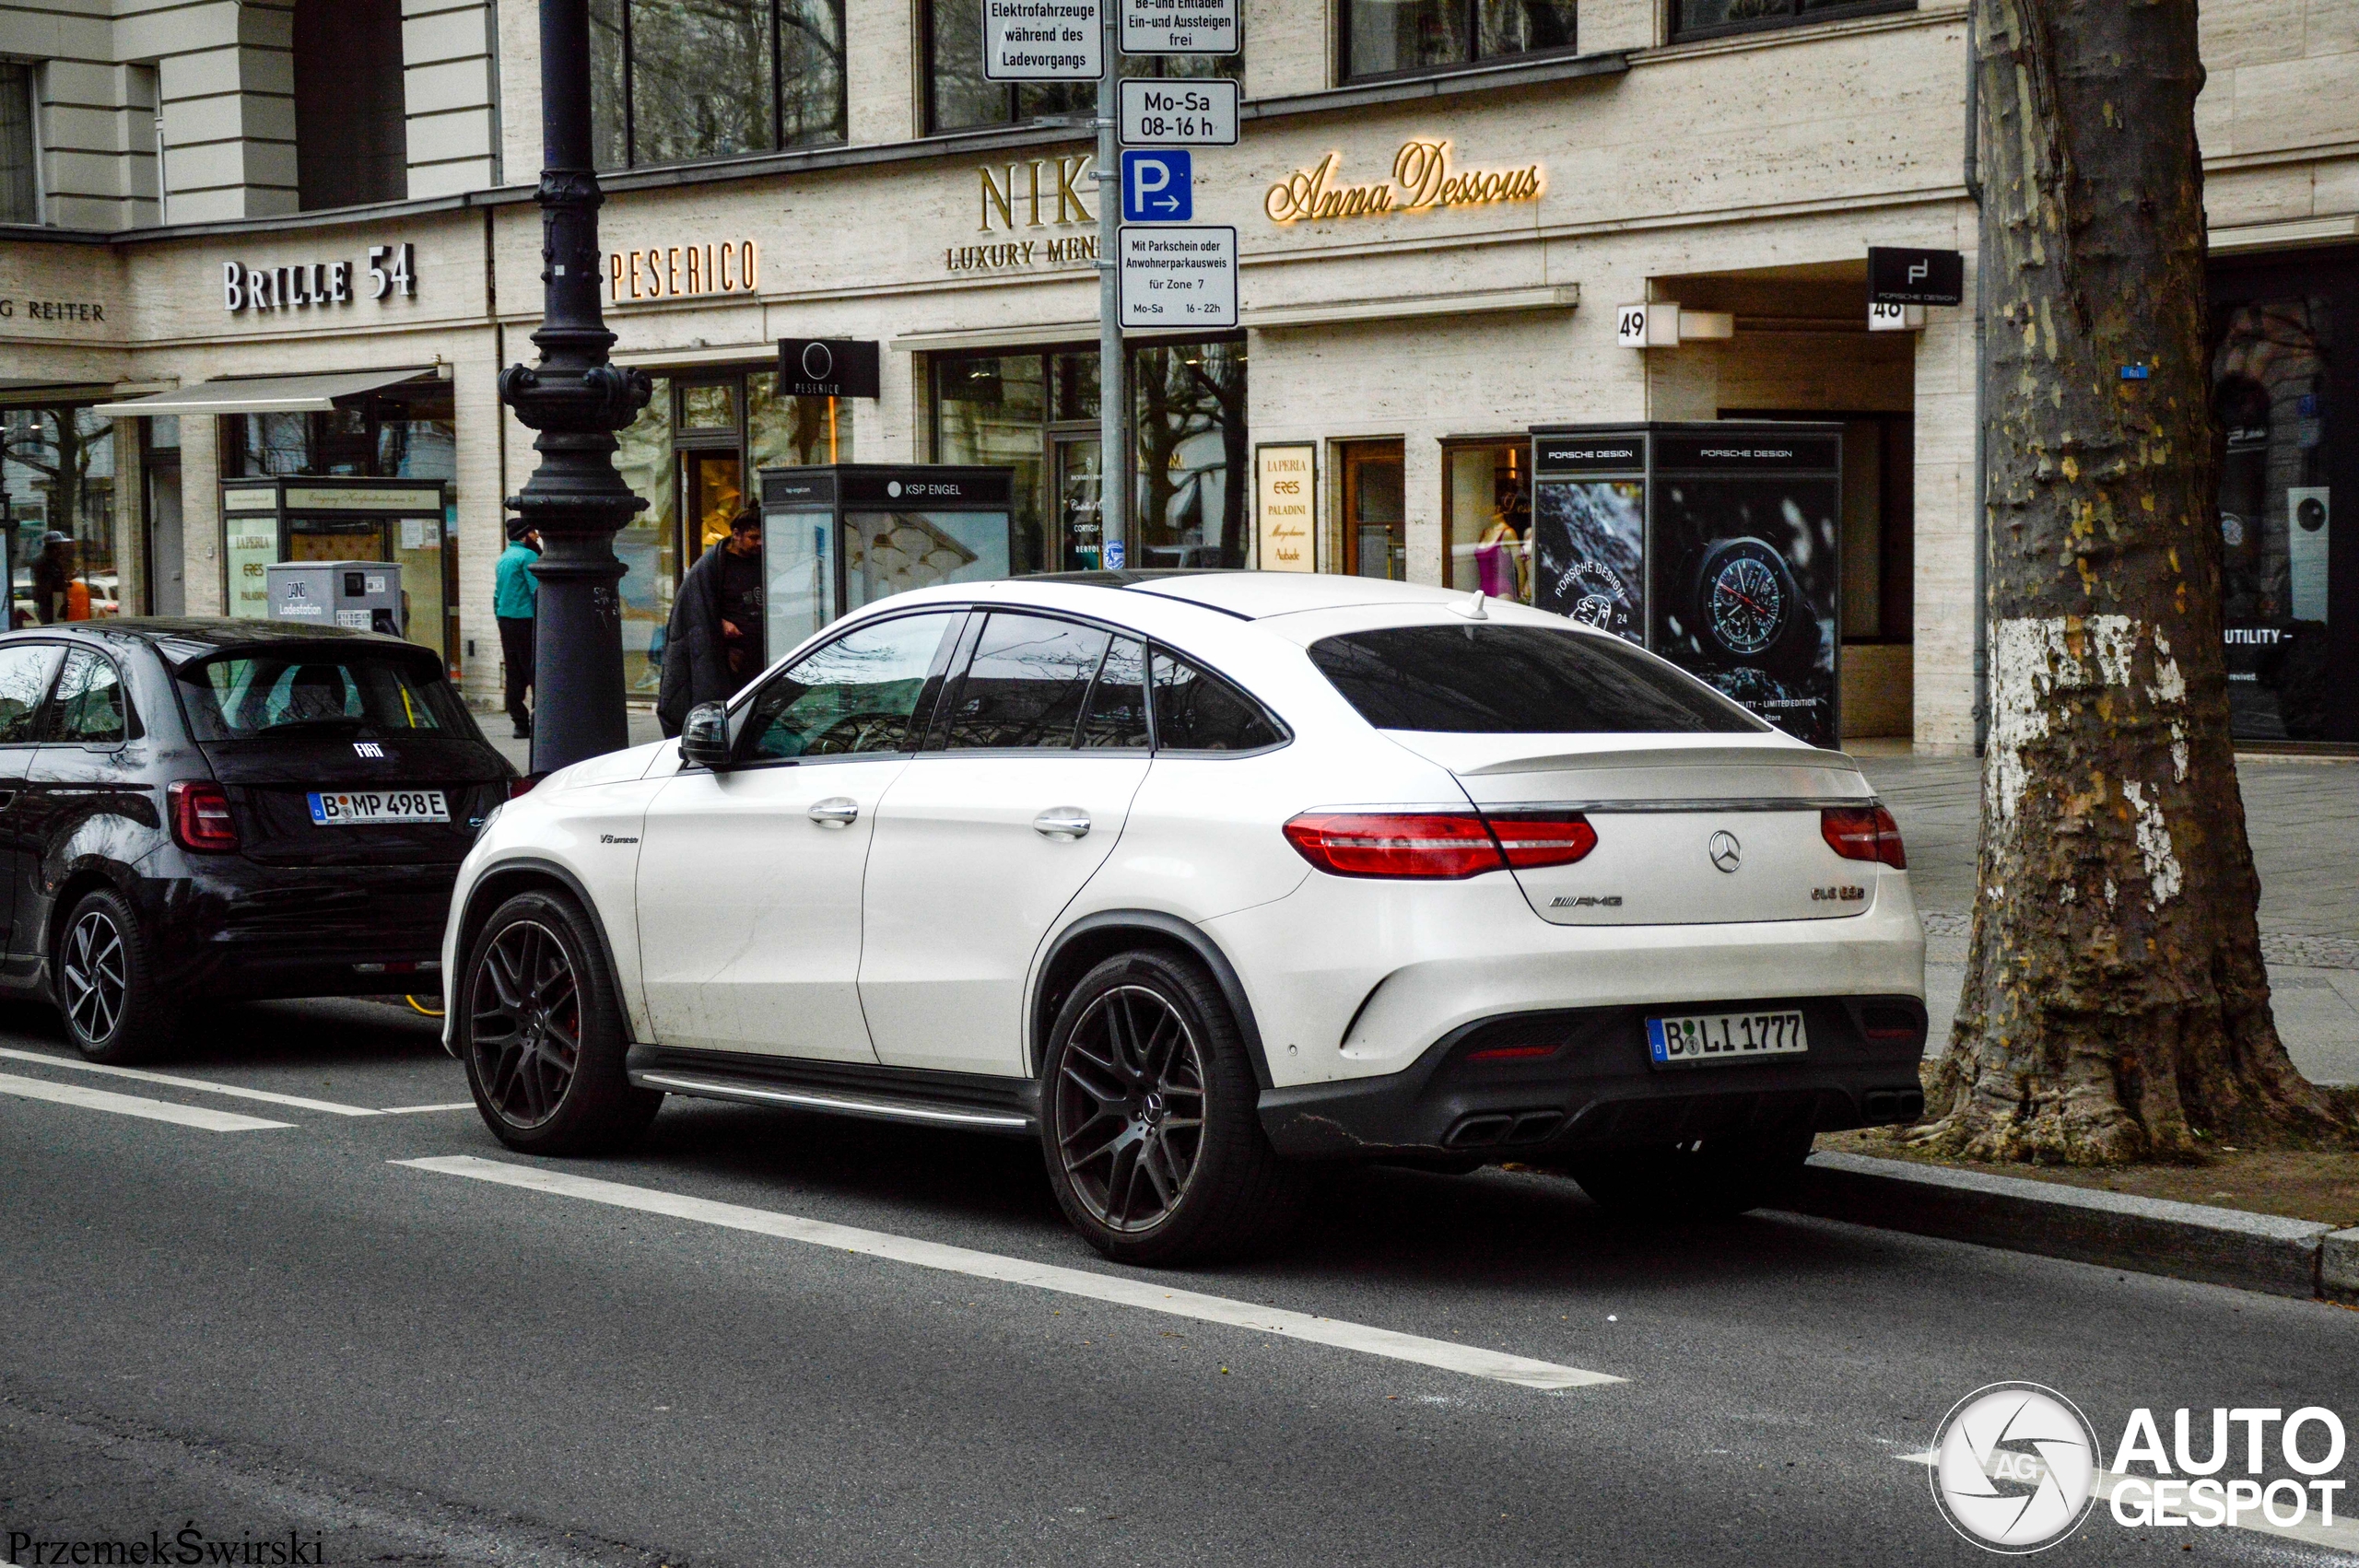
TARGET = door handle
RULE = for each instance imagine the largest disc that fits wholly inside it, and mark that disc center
(835, 810)
(1063, 822)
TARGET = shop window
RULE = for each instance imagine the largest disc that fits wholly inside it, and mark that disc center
(1376, 539)
(19, 147)
(680, 81)
(1711, 19)
(1487, 517)
(959, 98)
(649, 546)
(1038, 414)
(696, 454)
(351, 126)
(2274, 331)
(58, 492)
(1189, 406)
(407, 432)
(993, 410)
(1391, 38)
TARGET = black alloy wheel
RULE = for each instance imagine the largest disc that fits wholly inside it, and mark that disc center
(542, 1035)
(525, 1023)
(1148, 1117)
(105, 984)
(1131, 1103)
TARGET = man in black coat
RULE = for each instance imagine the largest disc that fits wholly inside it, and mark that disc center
(713, 643)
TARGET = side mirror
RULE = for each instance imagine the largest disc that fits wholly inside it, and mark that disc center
(704, 739)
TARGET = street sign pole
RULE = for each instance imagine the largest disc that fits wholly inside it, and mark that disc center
(1113, 367)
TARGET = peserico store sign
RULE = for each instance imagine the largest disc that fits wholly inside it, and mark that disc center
(392, 272)
(676, 271)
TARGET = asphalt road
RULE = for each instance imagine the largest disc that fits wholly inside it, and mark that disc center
(286, 1332)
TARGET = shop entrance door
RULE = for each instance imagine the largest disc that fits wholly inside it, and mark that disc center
(167, 592)
(714, 483)
(1374, 518)
(1080, 504)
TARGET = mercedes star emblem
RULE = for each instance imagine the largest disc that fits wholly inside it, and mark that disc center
(1726, 852)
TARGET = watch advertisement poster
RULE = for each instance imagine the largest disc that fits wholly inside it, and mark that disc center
(1588, 552)
(1716, 544)
(1589, 529)
(1746, 568)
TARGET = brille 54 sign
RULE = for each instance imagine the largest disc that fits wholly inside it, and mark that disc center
(392, 272)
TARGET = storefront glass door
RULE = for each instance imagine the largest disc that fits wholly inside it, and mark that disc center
(1080, 504)
(715, 485)
(1374, 520)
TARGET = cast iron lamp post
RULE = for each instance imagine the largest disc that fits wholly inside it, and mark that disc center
(577, 400)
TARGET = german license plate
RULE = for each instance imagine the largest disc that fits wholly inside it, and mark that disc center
(347, 808)
(1725, 1037)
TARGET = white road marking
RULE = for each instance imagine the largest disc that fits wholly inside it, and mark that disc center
(232, 1090)
(1146, 1294)
(132, 1105)
(2340, 1536)
(414, 1110)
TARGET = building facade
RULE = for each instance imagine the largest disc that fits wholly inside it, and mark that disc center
(297, 238)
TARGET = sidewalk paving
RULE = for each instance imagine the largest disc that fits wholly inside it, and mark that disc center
(2295, 809)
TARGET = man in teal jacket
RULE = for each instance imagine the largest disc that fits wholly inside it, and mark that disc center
(515, 599)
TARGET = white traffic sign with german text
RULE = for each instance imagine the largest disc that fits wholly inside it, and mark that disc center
(1180, 27)
(1179, 275)
(1044, 40)
(1164, 111)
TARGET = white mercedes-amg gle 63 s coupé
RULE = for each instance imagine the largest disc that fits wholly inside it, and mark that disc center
(1203, 879)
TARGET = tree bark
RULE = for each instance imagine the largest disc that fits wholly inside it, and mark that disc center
(2116, 1005)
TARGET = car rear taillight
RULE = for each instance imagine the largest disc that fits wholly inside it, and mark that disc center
(1437, 844)
(1863, 832)
(1542, 838)
(524, 786)
(1404, 843)
(201, 817)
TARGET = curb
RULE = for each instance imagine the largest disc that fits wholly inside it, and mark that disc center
(2149, 1235)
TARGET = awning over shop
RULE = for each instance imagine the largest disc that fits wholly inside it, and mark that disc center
(265, 394)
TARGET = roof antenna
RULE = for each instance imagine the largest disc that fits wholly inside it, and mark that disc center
(1474, 611)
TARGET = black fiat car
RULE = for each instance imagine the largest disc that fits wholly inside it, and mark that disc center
(204, 809)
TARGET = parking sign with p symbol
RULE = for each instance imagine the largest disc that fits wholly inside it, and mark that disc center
(1158, 186)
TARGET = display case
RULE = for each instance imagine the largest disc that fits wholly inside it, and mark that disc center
(837, 537)
(1715, 543)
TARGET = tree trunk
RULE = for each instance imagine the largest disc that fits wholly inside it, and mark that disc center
(2116, 1005)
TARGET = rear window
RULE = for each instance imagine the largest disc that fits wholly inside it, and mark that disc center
(273, 694)
(1498, 680)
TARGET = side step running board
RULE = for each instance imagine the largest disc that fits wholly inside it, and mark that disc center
(922, 1099)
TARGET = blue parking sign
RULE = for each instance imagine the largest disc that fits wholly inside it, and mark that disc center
(1158, 186)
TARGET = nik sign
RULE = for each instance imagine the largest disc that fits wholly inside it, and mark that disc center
(1158, 186)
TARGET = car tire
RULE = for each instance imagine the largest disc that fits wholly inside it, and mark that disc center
(105, 983)
(1713, 1178)
(1149, 1119)
(542, 1035)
